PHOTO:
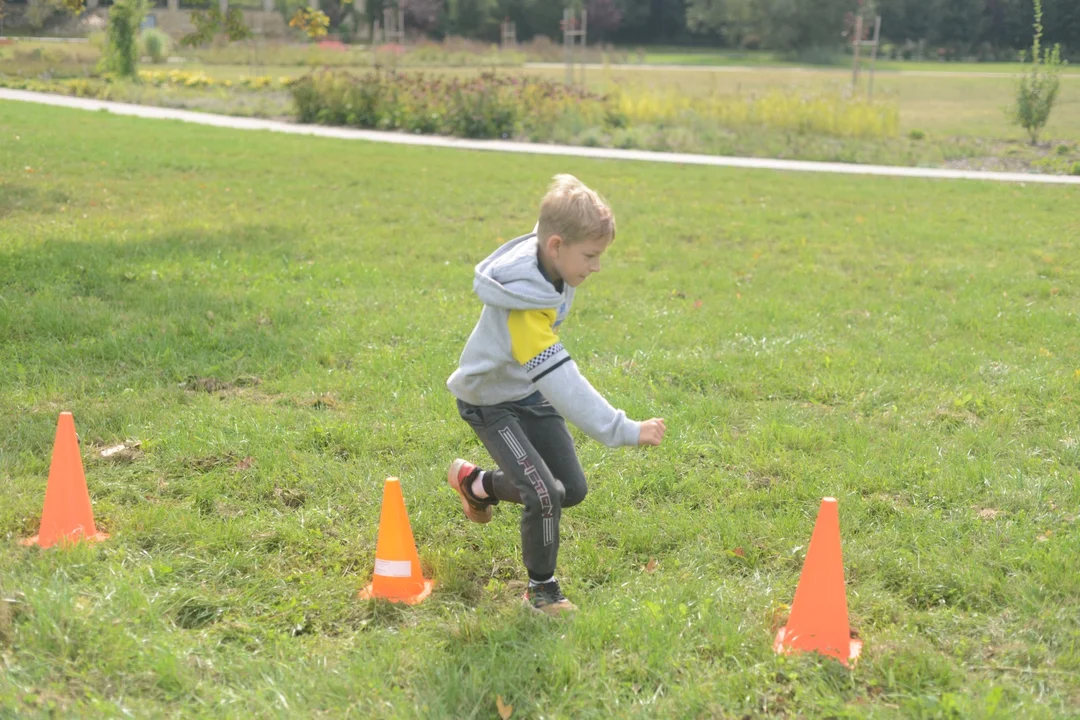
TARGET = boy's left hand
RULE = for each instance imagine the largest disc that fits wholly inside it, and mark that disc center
(652, 432)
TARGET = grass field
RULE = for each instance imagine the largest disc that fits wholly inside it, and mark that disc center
(713, 57)
(907, 346)
(707, 57)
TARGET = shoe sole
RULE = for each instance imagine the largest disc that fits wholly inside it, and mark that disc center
(452, 475)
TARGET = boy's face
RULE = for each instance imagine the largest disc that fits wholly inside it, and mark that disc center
(574, 262)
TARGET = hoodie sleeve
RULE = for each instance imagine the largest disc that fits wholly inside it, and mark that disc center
(536, 346)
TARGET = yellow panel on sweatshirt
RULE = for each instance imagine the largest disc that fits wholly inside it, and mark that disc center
(531, 333)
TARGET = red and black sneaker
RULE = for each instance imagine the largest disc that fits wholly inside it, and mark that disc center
(460, 477)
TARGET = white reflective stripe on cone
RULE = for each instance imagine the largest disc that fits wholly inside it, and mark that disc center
(393, 568)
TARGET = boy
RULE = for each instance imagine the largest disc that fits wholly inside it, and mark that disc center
(516, 382)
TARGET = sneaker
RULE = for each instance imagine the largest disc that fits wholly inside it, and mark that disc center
(547, 598)
(460, 477)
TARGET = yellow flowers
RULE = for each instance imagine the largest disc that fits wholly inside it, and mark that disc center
(175, 78)
(828, 113)
(199, 79)
(313, 22)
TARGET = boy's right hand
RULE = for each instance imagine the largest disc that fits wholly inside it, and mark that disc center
(652, 432)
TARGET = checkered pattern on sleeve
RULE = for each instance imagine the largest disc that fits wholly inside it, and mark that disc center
(547, 361)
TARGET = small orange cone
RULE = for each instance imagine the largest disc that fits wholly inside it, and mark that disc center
(819, 617)
(67, 515)
(397, 565)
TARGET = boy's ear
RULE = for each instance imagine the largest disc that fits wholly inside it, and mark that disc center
(554, 244)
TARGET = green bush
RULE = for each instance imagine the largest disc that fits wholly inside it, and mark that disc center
(1037, 91)
(156, 45)
(486, 106)
(122, 54)
(477, 113)
(625, 139)
(330, 98)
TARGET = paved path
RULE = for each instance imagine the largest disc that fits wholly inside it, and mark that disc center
(241, 123)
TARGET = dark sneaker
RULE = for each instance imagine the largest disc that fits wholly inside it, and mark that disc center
(547, 598)
(460, 478)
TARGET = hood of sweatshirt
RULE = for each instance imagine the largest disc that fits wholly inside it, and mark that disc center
(508, 278)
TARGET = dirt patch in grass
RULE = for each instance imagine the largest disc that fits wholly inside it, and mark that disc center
(213, 384)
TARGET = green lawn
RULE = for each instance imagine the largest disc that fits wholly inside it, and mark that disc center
(961, 67)
(909, 347)
(705, 56)
(661, 55)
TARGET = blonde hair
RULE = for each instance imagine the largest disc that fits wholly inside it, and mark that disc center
(574, 212)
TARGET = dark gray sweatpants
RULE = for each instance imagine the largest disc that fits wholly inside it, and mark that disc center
(538, 468)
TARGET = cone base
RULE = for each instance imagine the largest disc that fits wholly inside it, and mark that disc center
(67, 540)
(368, 593)
(854, 649)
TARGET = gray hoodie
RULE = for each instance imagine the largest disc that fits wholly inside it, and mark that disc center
(514, 350)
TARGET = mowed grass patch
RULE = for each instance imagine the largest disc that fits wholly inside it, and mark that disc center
(273, 319)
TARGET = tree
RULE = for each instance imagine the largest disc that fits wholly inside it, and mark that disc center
(210, 23)
(802, 24)
(533, 17)
(989, 27)
(313, 23)
(472, 18)
(605, 16)
(122, 48)
(422, 14)
(957, 23)
(38, 12)
(733, 21)
(1037, 91)
(637, 23)
(122, 35)
(669, 19)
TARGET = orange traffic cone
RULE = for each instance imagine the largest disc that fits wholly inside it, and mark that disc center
(819, 617)
(397, 566)
(67, 515)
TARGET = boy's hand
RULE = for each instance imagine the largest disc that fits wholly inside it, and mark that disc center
(652, 432)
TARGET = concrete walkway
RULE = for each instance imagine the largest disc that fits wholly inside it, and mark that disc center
(240, 123)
